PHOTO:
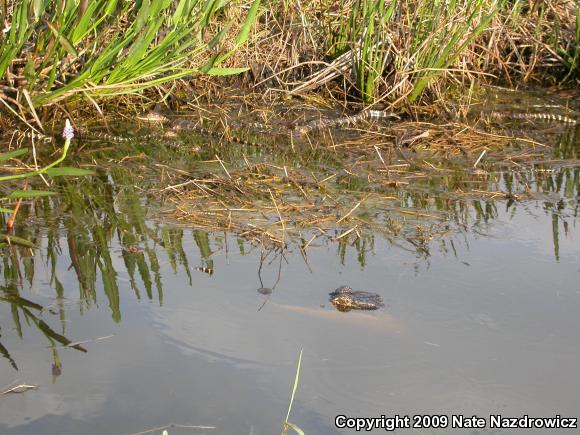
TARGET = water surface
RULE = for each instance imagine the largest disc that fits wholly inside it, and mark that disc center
(170, 327)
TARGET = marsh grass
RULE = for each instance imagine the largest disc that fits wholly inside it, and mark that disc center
(368, 24)
(55, 50)
(406, 45)
(405, 52)
(384, 53)
(441, 31)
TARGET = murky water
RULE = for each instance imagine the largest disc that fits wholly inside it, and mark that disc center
(127, 323)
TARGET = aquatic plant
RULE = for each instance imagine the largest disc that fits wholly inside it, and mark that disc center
(51, 170)
(373, 44)
(440, 33)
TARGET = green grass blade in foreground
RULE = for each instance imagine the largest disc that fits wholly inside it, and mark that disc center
(111, 47)
(287, 424)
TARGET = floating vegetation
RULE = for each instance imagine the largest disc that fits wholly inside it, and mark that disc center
(336, 183)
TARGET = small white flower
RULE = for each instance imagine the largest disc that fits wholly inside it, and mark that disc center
(68, 132)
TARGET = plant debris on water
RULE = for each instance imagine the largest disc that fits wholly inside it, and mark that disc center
(404, 179)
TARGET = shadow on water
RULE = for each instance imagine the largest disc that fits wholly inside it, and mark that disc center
(109, 232)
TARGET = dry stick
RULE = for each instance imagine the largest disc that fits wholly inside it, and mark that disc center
(346, 233)
(175, 186)
(348, 214)
(177, 426)
(21, 388)
(338, 67)
(76, 343)
(290, 68)
(309, 242)
(305, 258)
(479, 158)
(10, 222)
(280, 216)
(221, 163)
(31, 107)
(325, 179)
(381, 157)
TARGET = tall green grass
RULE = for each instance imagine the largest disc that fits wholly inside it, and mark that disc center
(406, 44)
(372, 44)
(56, 49)
(440, 32)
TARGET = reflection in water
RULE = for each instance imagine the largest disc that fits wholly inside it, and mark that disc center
(267, 291)
(95, 214)
(24, 309)
(101, 246)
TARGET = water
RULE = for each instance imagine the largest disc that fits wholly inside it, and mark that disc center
(485, 321)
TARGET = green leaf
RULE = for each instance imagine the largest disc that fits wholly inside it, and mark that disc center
(62, 39)
(142, 16)
(226, 71)
(13, 154)
(38, 6)
(111, 6)
(29, 194)
(243, 35)
(244, 32)
(68, 171)
(22, 22)
(5, 210)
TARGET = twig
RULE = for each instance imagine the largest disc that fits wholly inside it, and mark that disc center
(171, 425)
(18, 389)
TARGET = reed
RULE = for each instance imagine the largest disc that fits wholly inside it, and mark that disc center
(372, 44)
(400, 47)
(440, 33)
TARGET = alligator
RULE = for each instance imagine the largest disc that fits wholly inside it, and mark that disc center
(345, 299)
(542, 116)
(296, 132)
(171, 126)
(367, 115)
(175, 125)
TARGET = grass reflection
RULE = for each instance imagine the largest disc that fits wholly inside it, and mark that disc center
(103, 228)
